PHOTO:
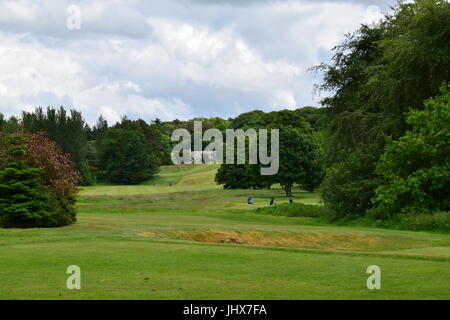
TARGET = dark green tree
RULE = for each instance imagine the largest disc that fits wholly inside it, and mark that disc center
(314, 116)
(241, 176)
(376, 75)
(300, 160)
(157, 143)
(416, 168)
(68, 130)
(24, 201)
(252, 119)
(123, 157)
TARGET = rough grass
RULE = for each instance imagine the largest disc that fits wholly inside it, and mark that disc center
(435, 222)
(195, 240)
(292, 210)
(310, 240)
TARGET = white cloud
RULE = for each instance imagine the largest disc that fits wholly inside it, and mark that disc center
(33, 75)
(174, 60)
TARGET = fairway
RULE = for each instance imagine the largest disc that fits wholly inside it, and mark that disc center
(194, 240)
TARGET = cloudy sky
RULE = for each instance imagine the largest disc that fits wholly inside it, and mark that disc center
(169, 59)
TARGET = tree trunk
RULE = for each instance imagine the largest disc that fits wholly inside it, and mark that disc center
(287, 187)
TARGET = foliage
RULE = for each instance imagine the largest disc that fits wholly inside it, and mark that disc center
(416, 168)
(292, 210)
(314, 116)
(157, 144)
(38, 183)
(252, 119)
(299, 154)
(67, 130)
(344, 191)
(241, 176)
(300, 160)
(376, 75)
(124, 157)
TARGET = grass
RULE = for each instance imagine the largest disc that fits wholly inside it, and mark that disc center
(292, 210)
(195, 240)
(433, 222)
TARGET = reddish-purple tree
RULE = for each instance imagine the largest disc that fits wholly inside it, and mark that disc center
(57, 173)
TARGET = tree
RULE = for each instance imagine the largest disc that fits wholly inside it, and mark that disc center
(299, 154)
(416, 168)
(38, 184)
(300, 161)
(376, 75)
(314, 116)
(158, 144)
(241, 176)
(252, 119)
(124, 158)
(68, 130)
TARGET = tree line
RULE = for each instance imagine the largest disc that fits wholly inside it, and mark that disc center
(387, 134)
(131, 151)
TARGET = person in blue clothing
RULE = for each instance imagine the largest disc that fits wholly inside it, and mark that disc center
(250, 200)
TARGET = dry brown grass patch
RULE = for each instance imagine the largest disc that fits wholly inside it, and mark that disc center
(312, 240)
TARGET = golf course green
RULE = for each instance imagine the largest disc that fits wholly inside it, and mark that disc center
(195, 240)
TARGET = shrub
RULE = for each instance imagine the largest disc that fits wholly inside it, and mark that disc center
(38, 183)
(292, 210)
(347, 189)
(416, 169)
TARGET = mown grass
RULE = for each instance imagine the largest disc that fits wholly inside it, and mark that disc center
(195, 240)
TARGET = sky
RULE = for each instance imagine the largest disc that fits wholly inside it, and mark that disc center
(171, 59)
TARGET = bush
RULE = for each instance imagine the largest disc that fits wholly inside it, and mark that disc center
(38, 183)
(347, 189)
(416, 169)
(292, 210)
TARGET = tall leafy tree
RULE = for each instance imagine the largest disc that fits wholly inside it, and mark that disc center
(300, 160)
(38, 183)
(124, 157)
(158, 144)
(24, 201)
(376, 75)
(68, 130)
(299, 155)
(314, 116)
(416, 168)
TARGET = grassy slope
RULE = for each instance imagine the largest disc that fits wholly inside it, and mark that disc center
(196, 241)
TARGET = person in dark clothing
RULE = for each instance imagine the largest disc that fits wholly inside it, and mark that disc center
(290, 200)
(272, 201)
